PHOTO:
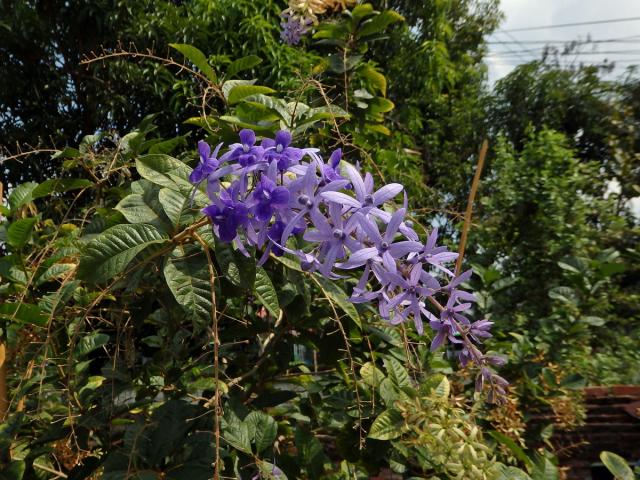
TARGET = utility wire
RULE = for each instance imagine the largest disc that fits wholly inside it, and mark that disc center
(577, 24)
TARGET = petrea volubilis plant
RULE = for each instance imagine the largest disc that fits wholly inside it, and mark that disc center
(280, 199)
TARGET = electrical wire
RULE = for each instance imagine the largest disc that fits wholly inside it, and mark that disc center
(565, 25)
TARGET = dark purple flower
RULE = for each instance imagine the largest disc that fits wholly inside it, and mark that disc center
(227, 217)
(269, 197)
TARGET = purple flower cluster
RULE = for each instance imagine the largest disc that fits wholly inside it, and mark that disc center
(279, 198)
(294, 27)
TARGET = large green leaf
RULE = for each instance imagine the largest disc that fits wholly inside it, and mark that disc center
(396, 372)
(91, 342)
(136, 210)
(177, 207)
(617, 466)
(21, 195)
(13, 471)
(19, 231)
(109, 254)
(187, 274)
(337, 295)
(379, 23)
(266, 292)
(262, 428)
(387, 426)
(239, 92)
(241, 64)
(163, 170)
(23, 313)
(236, 268)
(236, 433)
(197, 58)
(371, 374)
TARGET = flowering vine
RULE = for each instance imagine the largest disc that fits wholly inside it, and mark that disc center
(263, 195)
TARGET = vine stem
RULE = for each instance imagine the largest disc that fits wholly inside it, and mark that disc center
(470, 200)
(216, 354)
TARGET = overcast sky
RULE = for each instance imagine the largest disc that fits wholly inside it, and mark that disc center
(532, 13)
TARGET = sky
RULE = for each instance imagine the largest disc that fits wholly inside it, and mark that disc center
(532, 13)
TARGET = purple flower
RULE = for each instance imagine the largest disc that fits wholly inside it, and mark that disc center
(246, 153)
(269, 197)
(334, 237)
(280, 151)
(383, 249)
(409, 300)
(208, 162)
(293, 28)
(227, 217)
(331, 170)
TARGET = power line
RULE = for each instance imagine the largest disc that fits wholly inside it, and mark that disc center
(515, 52)
(577, 24)
(606, 52)
(633, 39)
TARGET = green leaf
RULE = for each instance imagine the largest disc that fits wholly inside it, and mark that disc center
(19, 231)
(163, 170)
(443, 389)
(594, 321)
(396, 372)
(237, 268)
(239, 92)
(387, 426)
(23, 313)
(59, 185)
(617, 466)
(13, 471)
(241, 64)
(380, 105)
(266, 292)
(513, 447)
(376, 78)
(109, 254)
(564, 294)
(186, 272)
(337, 296)
(388, 392)
(55, 271)
(197, 58)
(371, 374)
(229, 85)
(379, 23)
(176, 206)
(236, 434)
(361, 11)
(21, 195)
(91, 342)
(136, 210)
(168, 146)
(263, 429)
(502, 472)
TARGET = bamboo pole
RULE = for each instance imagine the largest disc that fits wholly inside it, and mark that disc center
(4, 398)
(470, 200)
